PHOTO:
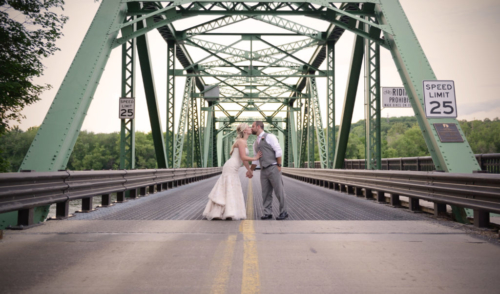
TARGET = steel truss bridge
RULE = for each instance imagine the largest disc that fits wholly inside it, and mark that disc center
(251, 72)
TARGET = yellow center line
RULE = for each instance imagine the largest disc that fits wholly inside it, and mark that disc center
(249, 204)
(251, 279)
(221, 280)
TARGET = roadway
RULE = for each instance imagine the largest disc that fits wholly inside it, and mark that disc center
(332, 243)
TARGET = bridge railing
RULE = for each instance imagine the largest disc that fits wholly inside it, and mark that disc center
(480, 192)
(24, 191)
(488, 162)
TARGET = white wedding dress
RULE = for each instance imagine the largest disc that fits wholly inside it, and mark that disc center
(226, 198)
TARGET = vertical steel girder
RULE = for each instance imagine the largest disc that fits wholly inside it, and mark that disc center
(330, 103)
(372, 104)
(127, 128)
(207, 137)
(170, 134)
(214, 143)
(292, 135)
(193, 158)
(350, 97)
(195, 130)
(202, 132)
(318, 123)
(306, 133)
(152, 103)
(183, 119)
(414, 68)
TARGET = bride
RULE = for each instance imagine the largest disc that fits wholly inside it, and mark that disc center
(225, 201)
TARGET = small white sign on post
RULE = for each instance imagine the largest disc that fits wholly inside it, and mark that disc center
(395, 97)
(439, 99)
(126, 109)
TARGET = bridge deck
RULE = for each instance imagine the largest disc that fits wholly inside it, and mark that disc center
(336, 244)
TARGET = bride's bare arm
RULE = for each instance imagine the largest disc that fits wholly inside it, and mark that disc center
(243, 155)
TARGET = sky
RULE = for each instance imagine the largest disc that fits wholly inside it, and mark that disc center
(456, 36)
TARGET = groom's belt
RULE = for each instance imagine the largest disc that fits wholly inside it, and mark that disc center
(268, 165)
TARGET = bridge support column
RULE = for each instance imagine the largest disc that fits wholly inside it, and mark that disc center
(439, 208)
(368, 194)
(25, 217)
(133, 193)
(380, 197)
(395, 200)
(481, 218)
(414, 204)
(62, 210)
(120, 197)
(105, 200)
(87, 204)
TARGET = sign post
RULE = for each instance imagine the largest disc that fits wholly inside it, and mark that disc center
(439, 99)
(126, 109)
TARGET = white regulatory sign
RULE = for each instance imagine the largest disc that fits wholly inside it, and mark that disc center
(127, 108)
(395, 97)
(439, 99)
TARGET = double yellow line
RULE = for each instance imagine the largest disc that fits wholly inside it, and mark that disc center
(251, 280)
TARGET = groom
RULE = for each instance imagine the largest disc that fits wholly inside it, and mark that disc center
(270, 175)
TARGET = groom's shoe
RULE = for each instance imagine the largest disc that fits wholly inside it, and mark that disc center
(266, 216)
(282, 216)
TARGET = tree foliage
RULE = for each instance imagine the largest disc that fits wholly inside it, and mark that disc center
(401, 137)
(28, 30)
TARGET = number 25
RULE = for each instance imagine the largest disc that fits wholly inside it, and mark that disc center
(446, 104)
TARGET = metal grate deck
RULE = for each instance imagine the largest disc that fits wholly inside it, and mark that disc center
(305, 202)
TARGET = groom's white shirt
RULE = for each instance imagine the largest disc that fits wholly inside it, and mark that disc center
(271, 140)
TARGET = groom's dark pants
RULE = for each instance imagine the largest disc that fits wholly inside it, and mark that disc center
(270, 179)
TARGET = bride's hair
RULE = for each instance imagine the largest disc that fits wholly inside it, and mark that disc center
(240, 131)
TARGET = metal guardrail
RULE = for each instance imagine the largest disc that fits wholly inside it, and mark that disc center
(488, 162)
(26, 190)
(480, 192)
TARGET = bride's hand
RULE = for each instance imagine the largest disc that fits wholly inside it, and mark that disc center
(259, 155)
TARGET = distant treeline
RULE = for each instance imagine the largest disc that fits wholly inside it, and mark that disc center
(401, 137)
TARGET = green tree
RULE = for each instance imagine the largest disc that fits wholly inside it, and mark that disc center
(28, 30)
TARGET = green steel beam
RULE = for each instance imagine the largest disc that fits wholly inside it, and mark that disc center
(127, 127)
(330, 103)
(170, 120)
(318, 123)
(350, 97)
(207, 137)
(213, 25)
(196, 132)
(54, 141)
(372, 105)
(414, 68)
(214, 143)
(152, 103)
(304, 133)
(183, 120)
(289, 25)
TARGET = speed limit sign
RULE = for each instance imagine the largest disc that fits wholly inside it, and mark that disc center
(439, 98)
(126, 108)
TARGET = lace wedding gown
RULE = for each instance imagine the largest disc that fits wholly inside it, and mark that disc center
(226, 198)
